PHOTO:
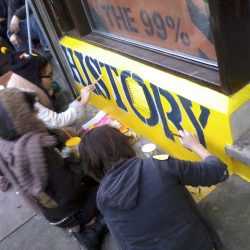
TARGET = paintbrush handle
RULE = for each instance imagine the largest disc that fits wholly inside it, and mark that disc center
(79, 97)
(66, 132)
(170, 132)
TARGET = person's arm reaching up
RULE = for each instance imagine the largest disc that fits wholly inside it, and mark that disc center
(210, 171)
(190, 141)
(69, 116)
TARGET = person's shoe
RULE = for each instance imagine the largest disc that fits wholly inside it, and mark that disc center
(88, 241)
(92, 236)
(99, 225)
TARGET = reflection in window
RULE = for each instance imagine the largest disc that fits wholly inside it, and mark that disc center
(181, 26)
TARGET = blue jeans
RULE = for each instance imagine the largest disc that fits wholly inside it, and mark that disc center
(36, 34)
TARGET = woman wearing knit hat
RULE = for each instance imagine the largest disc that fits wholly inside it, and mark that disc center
(34, 73)
(28, 158)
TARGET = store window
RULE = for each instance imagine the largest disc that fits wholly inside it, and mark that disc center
(204, 41)
(181, 26)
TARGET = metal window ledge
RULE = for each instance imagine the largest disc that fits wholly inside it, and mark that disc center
(241, 149)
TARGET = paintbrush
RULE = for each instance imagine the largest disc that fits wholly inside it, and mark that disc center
(79, 97)
(171, 133)
(177, 135)
(66, 132)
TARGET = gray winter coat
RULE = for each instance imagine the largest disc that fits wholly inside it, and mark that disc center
(147, 207)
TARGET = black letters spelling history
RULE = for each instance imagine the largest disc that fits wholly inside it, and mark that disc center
(90, 66)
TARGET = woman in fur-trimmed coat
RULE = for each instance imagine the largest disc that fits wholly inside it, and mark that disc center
(31, 162)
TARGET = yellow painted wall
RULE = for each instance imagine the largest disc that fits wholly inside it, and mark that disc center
(152, 101)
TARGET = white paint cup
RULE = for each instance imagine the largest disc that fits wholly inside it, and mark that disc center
(149, 149)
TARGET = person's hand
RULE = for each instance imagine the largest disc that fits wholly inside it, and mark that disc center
(191, 142)
(14, 25)
(85, 94)
(15, 40)
(188, 140)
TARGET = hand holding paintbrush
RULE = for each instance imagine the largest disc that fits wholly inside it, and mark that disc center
(171, 133)
(85, 94)
(86, 89)
(182, 135)
(191, 142)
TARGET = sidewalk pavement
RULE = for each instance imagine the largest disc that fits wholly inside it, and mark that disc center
(22, 229)
(227, 207)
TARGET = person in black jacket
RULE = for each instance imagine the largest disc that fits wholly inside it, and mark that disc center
(17, 28)
(144, 201)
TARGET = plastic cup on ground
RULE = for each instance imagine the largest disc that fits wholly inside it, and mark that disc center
(149, 149)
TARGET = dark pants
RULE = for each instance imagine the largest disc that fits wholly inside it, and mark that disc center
(86, 213)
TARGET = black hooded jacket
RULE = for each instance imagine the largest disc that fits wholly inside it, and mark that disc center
(146, 205)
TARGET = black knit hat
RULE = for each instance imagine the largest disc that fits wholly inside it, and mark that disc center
(17, 114)
(26, 65)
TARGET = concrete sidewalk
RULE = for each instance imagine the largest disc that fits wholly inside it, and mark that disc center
(21, 228)
(227, 207)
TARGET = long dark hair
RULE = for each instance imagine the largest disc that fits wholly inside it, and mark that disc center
(42, 64)
(101, 148)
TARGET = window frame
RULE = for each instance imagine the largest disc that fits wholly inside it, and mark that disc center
(233, 60)
(229, 21)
